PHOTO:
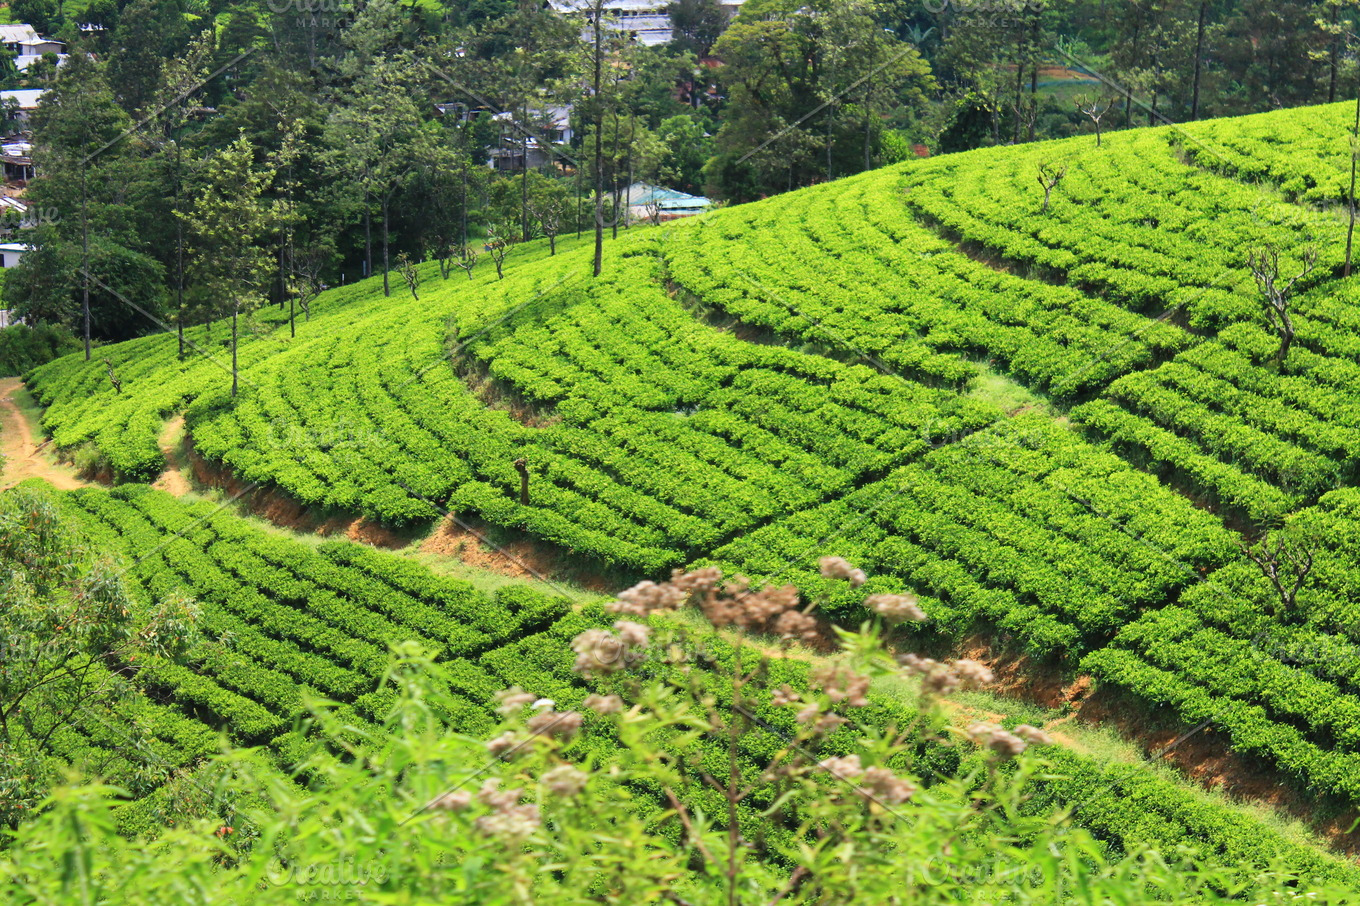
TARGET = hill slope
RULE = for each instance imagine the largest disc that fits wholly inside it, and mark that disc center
(815, 373)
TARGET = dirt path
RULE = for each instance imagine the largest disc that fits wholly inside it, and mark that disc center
(175, 479)
(24, 456)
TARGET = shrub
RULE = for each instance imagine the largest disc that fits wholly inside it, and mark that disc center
(24, 347)
(670, 783)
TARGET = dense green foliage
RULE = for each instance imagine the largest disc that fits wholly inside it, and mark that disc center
(688, 438)
(594, 835)
(1062, 421)
(1281, 679)
(1129, 221)
(850, 269)
(288, 626)
(1023, 527)
(1306, 153)
(23, 348)
(383, 116)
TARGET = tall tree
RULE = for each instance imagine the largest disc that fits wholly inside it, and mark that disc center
(174, 107)
(1354, 142)
(1278, 290)
(629, 152)
(527, 61)
(600, 70)
(697, 24)
(378, 141)
(789, 70)
(1198, 62)
(228, 225)
(149, 33)
(302, 254)
(686, 145)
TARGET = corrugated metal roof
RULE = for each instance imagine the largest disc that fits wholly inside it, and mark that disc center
(641, 194)
(13, 34)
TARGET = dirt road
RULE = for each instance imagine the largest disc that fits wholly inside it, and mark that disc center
(25, 456)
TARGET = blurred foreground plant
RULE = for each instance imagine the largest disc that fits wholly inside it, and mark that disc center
(73, 641)
(700, 767)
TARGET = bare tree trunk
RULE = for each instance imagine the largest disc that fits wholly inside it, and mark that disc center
(85, 260)
(522, 467)
(868, 124)
(234, 311)
(387, 289)
(1199, 61)
(599, 148)
(1019, 82)
(1350, 225)
(828, 142)
(1335, 53)
(524, 176)
(1128, 92)
(628, 201)
(179, 249)
(368, 237)
(614, 169)
(1034, 69)
(1286, 337)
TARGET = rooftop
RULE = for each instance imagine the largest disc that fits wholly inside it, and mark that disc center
(640, 193)
(27, 98)
(18, 33)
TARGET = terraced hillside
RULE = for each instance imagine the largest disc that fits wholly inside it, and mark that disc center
(1058, 423)
(285, 620)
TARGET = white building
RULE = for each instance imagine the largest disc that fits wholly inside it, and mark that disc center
(646, 20)
(25, 101)
(27, 45)
(13, 37)
(547, 130)
(23, 61)
(11, 252)
(16, 157)
(14, 214)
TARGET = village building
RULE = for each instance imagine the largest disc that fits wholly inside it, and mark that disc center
(19, 103)
(644, 202)
(12, 252)
(645, 20)
(28, 46)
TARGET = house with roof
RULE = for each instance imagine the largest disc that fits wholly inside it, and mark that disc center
(647, 21)
(644, 202)
(543, 140)
(19, 103)
(12, 252)
(28, 46)
(16, 157)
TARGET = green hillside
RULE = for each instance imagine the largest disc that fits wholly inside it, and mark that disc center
(288, 622)
(1062, 424)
